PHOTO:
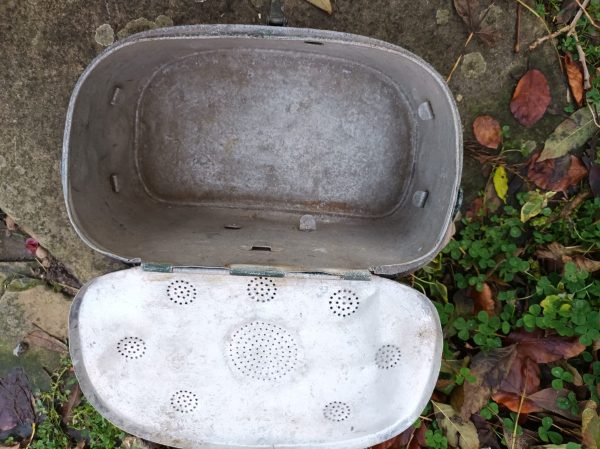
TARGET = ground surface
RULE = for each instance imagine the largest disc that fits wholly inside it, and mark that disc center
(49, 42)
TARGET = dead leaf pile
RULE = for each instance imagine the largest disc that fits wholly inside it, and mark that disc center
(16, 403)
(556, 175)
(520, 389)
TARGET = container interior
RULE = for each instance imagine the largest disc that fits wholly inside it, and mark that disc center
(204, 146)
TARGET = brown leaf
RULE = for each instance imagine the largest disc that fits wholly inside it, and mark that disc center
(575, 78)
(411, 438)
(74, 401)
(556, 175)
(487, 131)
(531, 98)
(557, 251)
(461, 433)
(16, 400)
(489, 370)
(594, 178)
(546, 400)
(568, 10)
(44, 340)
(545, 349)
(468, 10)
(483, 300)
(585, 264)
(487, 436)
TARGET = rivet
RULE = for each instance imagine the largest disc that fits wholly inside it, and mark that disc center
(420, 198)
(424, 110)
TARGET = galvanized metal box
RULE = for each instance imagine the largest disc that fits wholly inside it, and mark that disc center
(263, 177)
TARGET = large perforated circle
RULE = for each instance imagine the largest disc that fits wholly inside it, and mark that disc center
(336, 411)
(263, 351)
(344, 302)
(184, 401)
(131, 347)
(181, 292)
(262, 289)
(388, 356)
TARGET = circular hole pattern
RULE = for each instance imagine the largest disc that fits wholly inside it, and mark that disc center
(263, 351)
(262, 289)
(181, 292)
(344, 302)
(184, 401)
(336, 411)
(387, 356)
(131, 347)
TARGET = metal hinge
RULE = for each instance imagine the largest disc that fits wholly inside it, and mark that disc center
(258, 270)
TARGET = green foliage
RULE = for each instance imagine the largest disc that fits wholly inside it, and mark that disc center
(560, 377)
(435, 439)
(568, 402)
(490, 410)
(547, 435)
(51, 431)
(464, 374)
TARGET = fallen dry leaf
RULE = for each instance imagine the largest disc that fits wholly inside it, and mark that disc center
(73, 401)
(583, 263)
(546, 400)
(490, 369)
(525, 440)
(411, 438)
(325, 5)
(461, 433)
(575, 78)
(487, 436)
(545, 349)
(531, 98)
(594, 178)
(16, 400)
(44, 340)
(556, 175)
(487, 131)
(483, 300)
(590, 426)
(522, 379)
(572, 133)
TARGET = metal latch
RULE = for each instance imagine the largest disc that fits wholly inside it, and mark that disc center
(276, 16)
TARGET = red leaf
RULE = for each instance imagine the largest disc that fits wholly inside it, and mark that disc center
(545, 349)
(531, 98)
(31, 245)
(487, 131)
(575, 78)
(512, 401)
(557, 174)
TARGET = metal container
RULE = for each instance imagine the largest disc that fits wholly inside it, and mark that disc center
(263, 177)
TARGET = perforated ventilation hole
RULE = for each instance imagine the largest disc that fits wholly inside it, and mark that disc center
(388, 356)
(263, 351)
(261, 289)
(131, 347)
(344, 302)
(181, 292)
(184, 401)
(336, 411)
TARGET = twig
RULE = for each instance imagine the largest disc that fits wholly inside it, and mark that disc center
(586, 74)
(594, 116)
(517, 47)
(569, 29)
(455, 66)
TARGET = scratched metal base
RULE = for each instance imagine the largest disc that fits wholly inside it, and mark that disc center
(220, 361)
(205, 145)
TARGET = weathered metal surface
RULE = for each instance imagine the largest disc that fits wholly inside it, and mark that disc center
(219, 361)
(204, 145)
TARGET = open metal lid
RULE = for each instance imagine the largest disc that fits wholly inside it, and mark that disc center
(207, 359)
(216, 145)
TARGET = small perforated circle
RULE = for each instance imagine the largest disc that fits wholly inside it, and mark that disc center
(131, 347)
(388, 356)
(184, 401)
(336, 411)
(181, 292)
(262, 289)
(263, 351)
(344, 302)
